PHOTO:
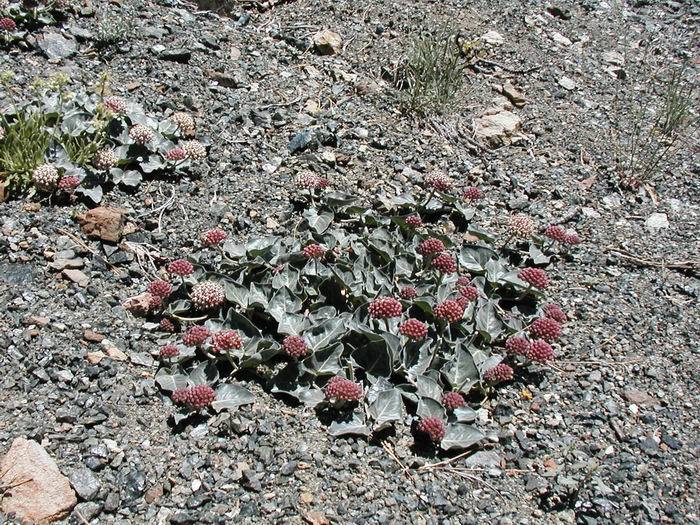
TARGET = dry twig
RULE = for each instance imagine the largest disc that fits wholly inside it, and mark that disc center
(445, 462)
(389, 449)
(691, 265)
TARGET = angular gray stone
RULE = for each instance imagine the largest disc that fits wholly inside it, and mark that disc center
(180, 55)
(85, 483)
(56, 46)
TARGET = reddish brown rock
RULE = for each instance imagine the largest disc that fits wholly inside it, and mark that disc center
(93, 337)
(138, 304)
(36, 491)
(104, 223)
(638, 397)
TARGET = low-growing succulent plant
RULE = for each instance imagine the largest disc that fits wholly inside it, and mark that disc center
(141, 134)
(463, 280)
(414, 221)
(444, 263)
(166, 325)
(17, 18)
(68, 183)
(449, 310)
(176, 154)
(184, 122)
(7, 24)
(97, 140)
(470, 293)
(194, 149)
(105, 159)
(535, 277)
(555, 232)
(305, 313)
(518, 345)
(45, 177)
(438, 181)
(521, 226)
(408, 292)
(114, 104)
(554, 311)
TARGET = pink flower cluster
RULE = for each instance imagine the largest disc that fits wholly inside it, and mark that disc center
(385, 308)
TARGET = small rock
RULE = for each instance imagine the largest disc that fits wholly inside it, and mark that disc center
(182, 518)
(496, 129)
(180, 55)
(567, 83)
(483, 458)
(613, 58)
(493, 38)
(94, 357)
(656, 222)
(153, 494)
(638, 397)
(112, 502)
(671, 442)
(515, 97)
(226, 80)
(649, 445)
(85, 483)
(314, 517)
(47, 497)
(288, 468)
(77, 277)
(559, 12)
(55, 46)
(103, 223)
(138, 304)
(561, 39)
(301, 141)
(62, 264)
(93, 337)
(113, 352)
(88, 511)
(328, 42)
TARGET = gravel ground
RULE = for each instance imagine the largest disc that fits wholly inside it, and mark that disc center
(607, 435)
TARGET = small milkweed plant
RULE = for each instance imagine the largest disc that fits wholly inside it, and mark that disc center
(18, 18)
(61, 143)
(368, 314)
